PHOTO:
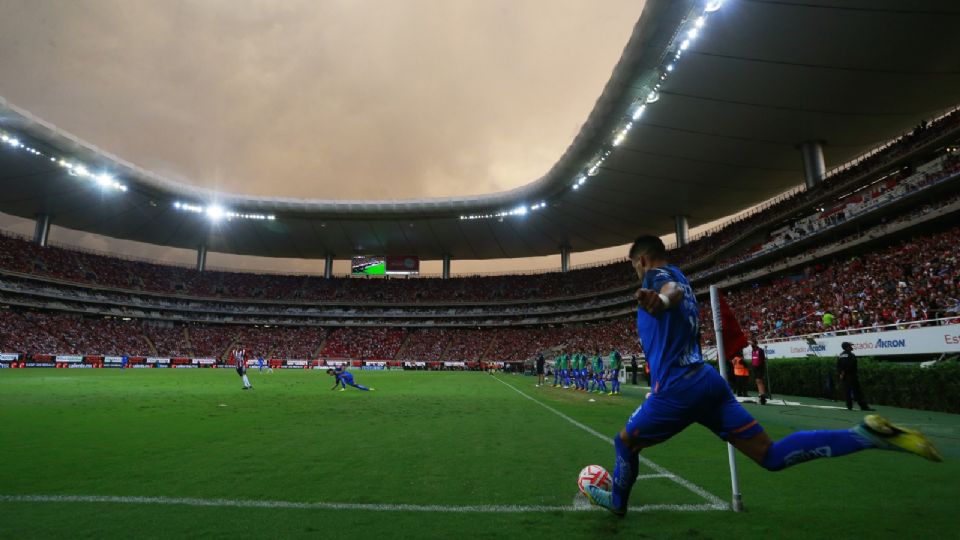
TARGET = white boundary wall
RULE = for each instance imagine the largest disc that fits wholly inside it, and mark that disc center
(926, 340)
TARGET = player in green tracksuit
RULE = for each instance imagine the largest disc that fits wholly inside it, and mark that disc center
(598, 384)
(565, 370)
(616, 364)
(575, 372)
(582, 372)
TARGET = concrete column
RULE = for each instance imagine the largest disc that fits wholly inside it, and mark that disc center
(328, 266)
(201, 258)
(682, 230)
(814, 168)
(41, 233)
(564, 258)
(446, 266)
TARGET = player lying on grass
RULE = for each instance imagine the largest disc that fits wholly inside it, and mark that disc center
(344, 378)
(686, 390)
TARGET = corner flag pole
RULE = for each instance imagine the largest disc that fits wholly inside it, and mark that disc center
(737, 502)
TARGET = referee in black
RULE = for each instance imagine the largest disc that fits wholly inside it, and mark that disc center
(849, 380)
(540, 362)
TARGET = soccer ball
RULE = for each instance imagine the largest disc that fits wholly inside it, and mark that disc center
(594, 475)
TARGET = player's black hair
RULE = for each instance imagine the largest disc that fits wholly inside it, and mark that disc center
(329, 371)
(648, 245)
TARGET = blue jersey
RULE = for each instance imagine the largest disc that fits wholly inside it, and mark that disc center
(345, 376)
(671, 341)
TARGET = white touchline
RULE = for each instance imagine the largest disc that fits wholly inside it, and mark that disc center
(292, 505)
(715, 502)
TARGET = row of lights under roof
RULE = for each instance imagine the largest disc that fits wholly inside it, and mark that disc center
(681, 43)
(521, 210)
(215, 212)
(103, 180)
(106, 181)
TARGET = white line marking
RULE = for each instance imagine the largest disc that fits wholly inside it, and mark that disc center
(230, 503)
(714, 500)
(785, 403)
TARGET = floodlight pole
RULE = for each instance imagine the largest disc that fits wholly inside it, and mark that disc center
(565, 258)
(737, 502)
(446, 266)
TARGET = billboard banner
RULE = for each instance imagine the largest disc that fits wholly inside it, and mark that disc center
(926, 340)
(69, 358)
(403, 264)
(9, 357)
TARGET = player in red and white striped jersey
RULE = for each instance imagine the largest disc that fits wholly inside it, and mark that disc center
(239, 358)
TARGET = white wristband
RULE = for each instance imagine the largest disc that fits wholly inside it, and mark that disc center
(666, 301)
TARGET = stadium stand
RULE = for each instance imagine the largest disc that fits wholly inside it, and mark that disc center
(799, 256)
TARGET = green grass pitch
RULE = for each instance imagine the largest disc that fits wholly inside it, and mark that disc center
(448, 439)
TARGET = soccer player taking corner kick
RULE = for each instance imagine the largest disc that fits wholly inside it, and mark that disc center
(686, 390)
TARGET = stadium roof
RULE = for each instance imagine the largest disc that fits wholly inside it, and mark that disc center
(718, 131)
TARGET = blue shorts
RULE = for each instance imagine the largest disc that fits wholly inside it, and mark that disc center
(583, 373)
(701, 396)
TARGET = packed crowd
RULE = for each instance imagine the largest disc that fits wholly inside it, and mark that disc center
(916, 279)
(44, 333)
(701, 249)
(363, 343)
(19, 255)
(857, 204)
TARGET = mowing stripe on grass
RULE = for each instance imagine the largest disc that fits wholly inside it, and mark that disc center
(292, 505)
(715, 502)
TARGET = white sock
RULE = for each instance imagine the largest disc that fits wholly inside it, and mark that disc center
(246, 381)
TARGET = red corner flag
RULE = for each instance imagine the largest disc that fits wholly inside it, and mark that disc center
(733, 337)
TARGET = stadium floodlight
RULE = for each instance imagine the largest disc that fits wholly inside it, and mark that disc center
(576, 186)
(712, 5)
(653, 96)
(684, 44)
(692, 34)
(701, 20)
(521, 210)
(215, 212)
(669, 67)
(105, 180)
(638, 112)
(581, 179)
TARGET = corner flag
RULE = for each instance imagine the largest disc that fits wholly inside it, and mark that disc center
(733, 337)
(730, 339)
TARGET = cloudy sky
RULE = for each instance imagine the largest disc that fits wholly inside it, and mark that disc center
(317, 98)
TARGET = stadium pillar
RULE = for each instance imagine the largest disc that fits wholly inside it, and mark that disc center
(446, 266)
(201, 258)
(564, 258)
(814, 168)
(682, 229)
(41, 233)
(328, 266)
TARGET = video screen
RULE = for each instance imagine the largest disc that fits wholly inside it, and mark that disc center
(368, 266)
(403, 264)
